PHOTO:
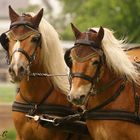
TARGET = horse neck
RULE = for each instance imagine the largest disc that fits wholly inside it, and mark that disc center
(106, 91)
(38, 88)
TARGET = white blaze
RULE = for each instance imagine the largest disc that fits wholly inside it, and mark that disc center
(16, 56)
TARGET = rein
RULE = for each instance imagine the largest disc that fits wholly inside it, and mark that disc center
(35, 74)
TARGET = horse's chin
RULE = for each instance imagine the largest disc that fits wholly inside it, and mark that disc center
(79, 103)
(16, 79)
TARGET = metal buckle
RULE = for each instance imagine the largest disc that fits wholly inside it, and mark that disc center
(36, 117)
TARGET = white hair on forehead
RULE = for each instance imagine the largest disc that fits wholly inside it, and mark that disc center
(116, 58)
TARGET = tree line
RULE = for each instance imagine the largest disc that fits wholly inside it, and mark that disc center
(122, 16)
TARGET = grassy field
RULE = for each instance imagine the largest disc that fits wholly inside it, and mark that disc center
(7, 92)
(9, 134)
(7, 96)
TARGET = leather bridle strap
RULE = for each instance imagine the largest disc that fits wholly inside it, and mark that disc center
(29, 58)
(87, 42)
(35, 105)
(12, 35)
(109, 100)
(21, 21)
(93, 79)
(17, 23)
(82, 75)
(92, 44)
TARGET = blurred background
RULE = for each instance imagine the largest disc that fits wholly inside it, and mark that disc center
(122, 16)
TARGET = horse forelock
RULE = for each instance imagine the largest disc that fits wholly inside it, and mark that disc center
(52, 55)
(116, 58)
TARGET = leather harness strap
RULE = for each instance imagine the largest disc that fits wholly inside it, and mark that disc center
(112, 115)
(54, 110)
(98, 113)
(43, 108)
(112, 98)
(21, 22)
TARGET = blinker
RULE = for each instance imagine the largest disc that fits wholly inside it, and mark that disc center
(4, 41)
(67, 58)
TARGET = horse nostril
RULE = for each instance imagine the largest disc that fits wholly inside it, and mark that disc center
(82, 97)
(21, 69)
(69, 97)
(11, 70)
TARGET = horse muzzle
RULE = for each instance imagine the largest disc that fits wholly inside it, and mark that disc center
(17, 71)
(77, 100)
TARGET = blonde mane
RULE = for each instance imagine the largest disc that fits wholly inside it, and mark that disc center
(52, 55)
(116, 58)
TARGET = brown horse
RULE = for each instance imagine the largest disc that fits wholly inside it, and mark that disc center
(105, 83)
(32, 45)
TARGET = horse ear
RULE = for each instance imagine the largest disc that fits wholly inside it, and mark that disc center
(100, 35)
(75, 30)
(37, 18)
(12, 14)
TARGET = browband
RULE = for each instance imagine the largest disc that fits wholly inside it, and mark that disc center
(21, 23)
(95, 46)
(87, 42)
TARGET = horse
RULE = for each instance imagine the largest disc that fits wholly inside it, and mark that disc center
(33, 46)
(104, 82)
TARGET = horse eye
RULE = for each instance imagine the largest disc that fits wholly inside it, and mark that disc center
(95, 62)
(36, 39)
(4, 41)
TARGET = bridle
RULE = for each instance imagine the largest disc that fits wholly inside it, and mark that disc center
(31, 57)
(4, 39)
(95, 47)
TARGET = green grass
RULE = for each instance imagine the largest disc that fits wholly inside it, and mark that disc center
(7, 93)
(9, 134)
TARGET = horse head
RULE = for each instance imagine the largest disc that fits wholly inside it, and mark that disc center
(84, 60)
(22, 43)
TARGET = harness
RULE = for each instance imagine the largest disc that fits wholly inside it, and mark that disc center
(62, 117)
(98, 112)
(48, 113)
